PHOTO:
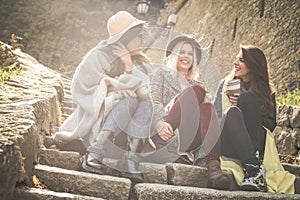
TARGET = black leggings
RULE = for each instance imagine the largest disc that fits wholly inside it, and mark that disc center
(242, 130)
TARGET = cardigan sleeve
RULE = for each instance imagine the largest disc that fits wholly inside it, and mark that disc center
(157, 91)
(218, 100)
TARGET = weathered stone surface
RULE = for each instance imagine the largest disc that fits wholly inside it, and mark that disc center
(295, 117)
(285, 142)
(147, 191)
(187, 175)
(295, 134)
(62, 180)
(18, 146)
(283, 112)
(61, 159)
(40, 194)
(28, 107)
(294, 169)
(154, 173)
(297, 185)
(222, 31)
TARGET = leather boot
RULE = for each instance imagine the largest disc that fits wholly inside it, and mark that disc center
(96, 152)
(217, 179)
(130, 161)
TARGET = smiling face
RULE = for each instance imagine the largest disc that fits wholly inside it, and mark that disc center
(241, 69)
(185, 57)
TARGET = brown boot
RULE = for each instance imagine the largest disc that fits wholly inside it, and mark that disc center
(217, 179)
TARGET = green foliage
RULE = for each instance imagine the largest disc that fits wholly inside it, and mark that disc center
(8, 64)
(291, 98)
(8, 71)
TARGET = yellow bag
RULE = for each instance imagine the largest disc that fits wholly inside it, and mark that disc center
(278, 180)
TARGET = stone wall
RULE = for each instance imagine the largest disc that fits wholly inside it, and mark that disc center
(287, 132)
(29, 109)
(273, 25)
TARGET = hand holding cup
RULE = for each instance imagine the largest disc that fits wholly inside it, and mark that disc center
(233, 90)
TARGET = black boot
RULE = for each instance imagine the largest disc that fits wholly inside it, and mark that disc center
(254, 178)
(130, 161)
(95, 154)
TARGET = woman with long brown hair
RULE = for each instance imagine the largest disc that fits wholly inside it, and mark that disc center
(245, 114)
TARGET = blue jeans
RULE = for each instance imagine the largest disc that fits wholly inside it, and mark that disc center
(130, 116)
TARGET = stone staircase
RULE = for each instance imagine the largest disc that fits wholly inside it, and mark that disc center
(61, 176)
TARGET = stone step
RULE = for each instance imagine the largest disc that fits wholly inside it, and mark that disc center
(81, 183)
(68, 97)
(55, 158)
(67, 91)
(67, 110)
(66, 80)
(153, 173)
(150, 191)
(294, 169)
(64, 116)
(67, 103)
(26, 193)
(170, 173)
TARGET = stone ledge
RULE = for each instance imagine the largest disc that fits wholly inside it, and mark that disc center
(38, 194)
(66, 160)
(62, 180)
(28, 108)
(170, 173)
(147, 191)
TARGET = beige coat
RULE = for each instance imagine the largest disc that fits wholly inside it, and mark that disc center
(92, 101)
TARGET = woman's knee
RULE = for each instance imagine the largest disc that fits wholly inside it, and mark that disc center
(248, 97)
(125, 105)
(234, 113)
(129, 101)
(145, 104)
(206, 108)
(199, 92)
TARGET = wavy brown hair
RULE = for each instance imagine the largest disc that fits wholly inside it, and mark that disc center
(258, 67)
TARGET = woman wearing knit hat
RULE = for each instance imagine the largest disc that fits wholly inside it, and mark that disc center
(180, 107)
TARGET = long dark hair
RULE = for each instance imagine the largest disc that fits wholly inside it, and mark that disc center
(258, 67)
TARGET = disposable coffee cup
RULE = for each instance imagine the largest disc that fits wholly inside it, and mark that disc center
(234, 86)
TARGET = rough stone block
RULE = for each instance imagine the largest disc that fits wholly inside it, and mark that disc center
(296, 137)
(154, 173)
(147, 191)
(187, 175)
(293, 169)
(62, 180)
(38, 194)
(295, 117)
(297, 185)
(285, 143)
(62, 159)
(283, 112)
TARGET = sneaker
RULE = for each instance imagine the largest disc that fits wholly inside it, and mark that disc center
(254, 182)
